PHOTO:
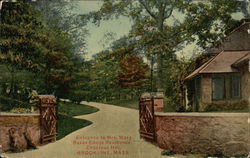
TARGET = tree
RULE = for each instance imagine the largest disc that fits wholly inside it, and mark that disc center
(155, 36)
(28, 43)
(103, 73)
(21, 36)
(70, 35)
(244, 6)
(21, 40)
(118, 73)
(58, 66)
(60, 14)
(81, 84)
(133, 71)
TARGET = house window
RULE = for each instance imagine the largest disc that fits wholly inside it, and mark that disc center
(218, 87)
(226, 86)
(235, 80)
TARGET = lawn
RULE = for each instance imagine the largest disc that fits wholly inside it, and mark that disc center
(132, 103)
(66, 124)
(72, 109)
(168, 106)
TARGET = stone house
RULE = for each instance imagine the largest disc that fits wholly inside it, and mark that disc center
(223, 81)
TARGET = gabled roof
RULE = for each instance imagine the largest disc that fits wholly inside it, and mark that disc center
(236, 27)
(239, 26)
(224, 62)
(197, 71)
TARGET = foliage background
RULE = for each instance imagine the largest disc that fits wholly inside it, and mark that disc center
(43, 46)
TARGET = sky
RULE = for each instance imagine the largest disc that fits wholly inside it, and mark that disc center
(117, 28)
(95, 40)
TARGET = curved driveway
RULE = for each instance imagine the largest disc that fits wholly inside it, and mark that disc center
(115, 124)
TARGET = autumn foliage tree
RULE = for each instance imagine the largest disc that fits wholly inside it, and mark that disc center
(133, 71)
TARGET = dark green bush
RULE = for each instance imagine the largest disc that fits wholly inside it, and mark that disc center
(9, 103)
(242, 105)
(167, 153)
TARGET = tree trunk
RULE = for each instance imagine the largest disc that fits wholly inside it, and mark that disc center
(159, 82)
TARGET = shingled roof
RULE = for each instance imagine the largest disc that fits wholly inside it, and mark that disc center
(241, 61)
(224, 62)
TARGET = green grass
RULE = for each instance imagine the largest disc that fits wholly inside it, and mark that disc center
(132, 103)
(72, 109)
(66, 124)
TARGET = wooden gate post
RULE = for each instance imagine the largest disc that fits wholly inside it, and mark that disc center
(147, 119)
(149, 103)
(48, 118)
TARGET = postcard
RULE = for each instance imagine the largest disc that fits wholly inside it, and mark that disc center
(124, 79)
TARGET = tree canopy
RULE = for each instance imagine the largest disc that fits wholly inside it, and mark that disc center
(60, 14)
(46, 40)
(157, 30)
(22, 37)
(162, 28)
(29, 45)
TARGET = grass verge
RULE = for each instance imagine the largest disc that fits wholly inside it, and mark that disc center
(72, 109)
(132, 103)
(66, 124)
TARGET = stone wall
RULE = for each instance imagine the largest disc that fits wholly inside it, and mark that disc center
(19, 131)
(207, 133)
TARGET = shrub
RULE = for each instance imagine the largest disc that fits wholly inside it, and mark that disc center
(242, 105)
(169, 105)
(167, 153)
(20, 110)
(75, 98)
(78, 96)
(9, 103)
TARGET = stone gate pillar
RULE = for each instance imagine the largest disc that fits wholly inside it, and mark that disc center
(158, 100)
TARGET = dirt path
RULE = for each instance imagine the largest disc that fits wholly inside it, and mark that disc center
(110, 121)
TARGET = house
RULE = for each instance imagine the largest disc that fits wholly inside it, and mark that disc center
(223, 81)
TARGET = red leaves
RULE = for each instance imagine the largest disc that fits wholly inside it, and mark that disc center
(133, 71)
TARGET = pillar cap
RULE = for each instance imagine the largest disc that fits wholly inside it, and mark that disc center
(152, 94)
